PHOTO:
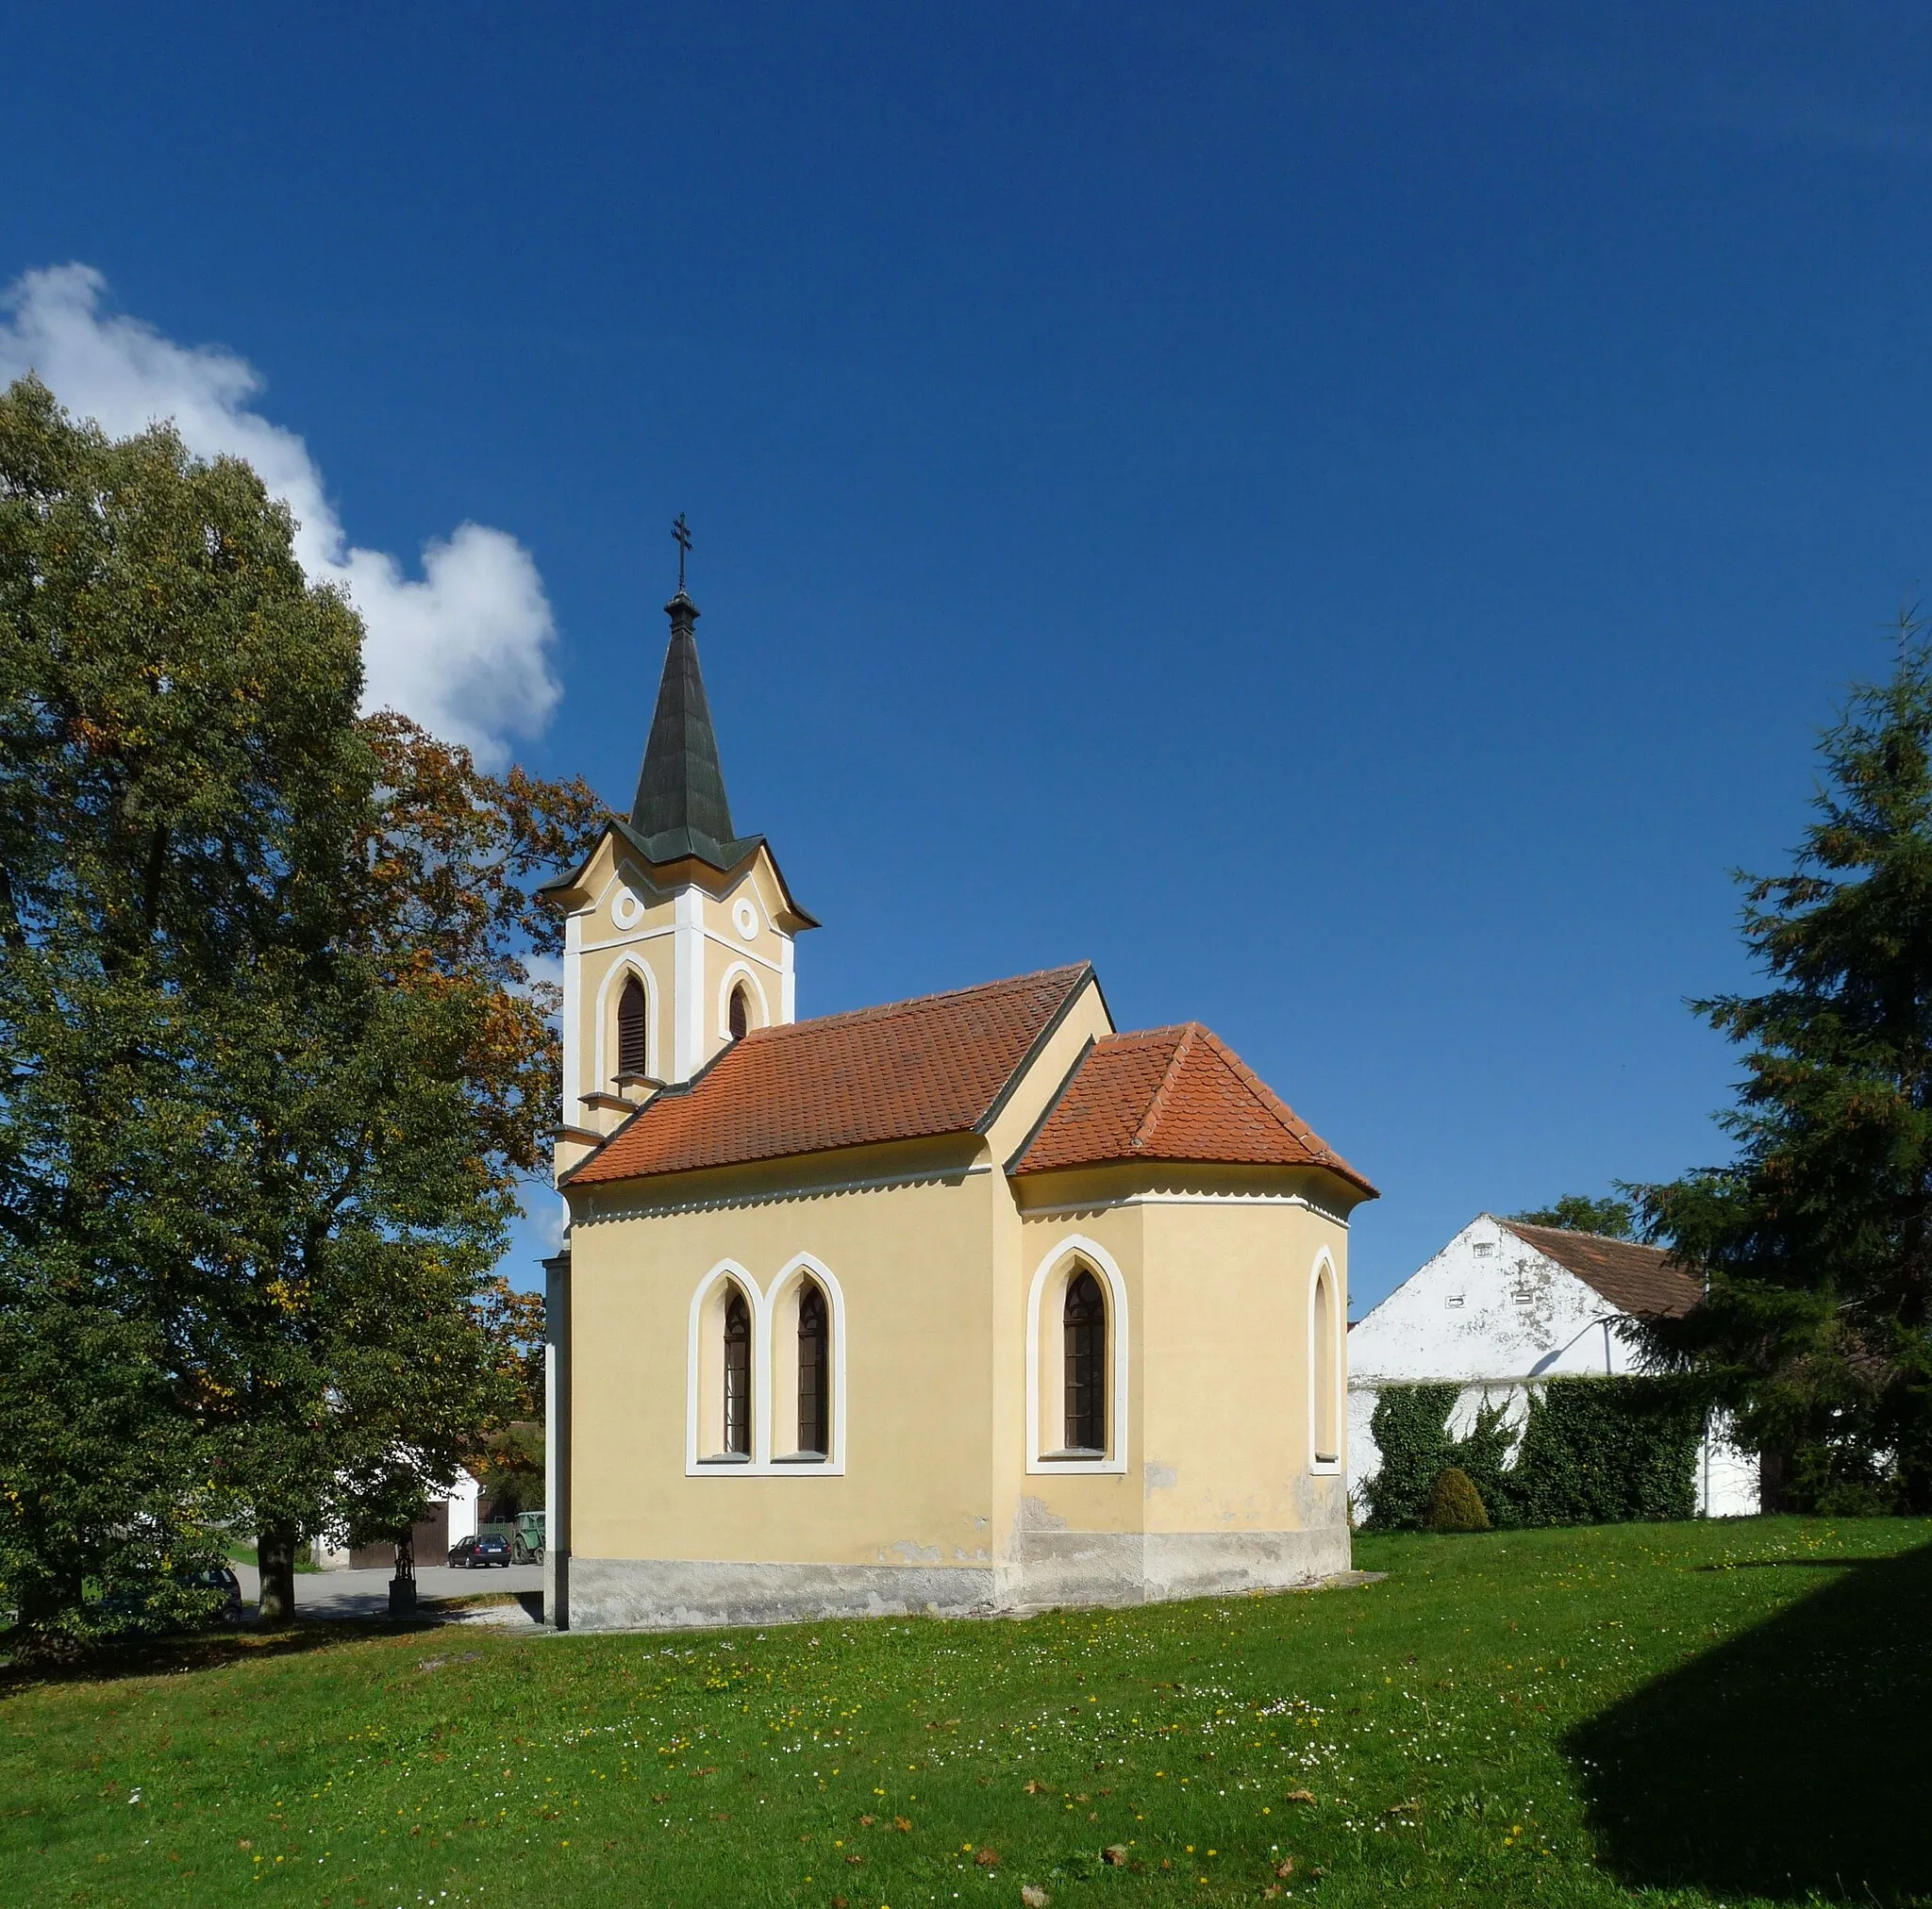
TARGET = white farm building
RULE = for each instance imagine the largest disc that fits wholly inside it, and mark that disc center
(1506, 1304)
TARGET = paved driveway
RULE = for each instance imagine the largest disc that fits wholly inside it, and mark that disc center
(365, 1593)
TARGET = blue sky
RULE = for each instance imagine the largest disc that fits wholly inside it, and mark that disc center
(1349, 517)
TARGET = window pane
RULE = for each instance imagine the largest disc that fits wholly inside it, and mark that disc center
(737, 1376)
(1086, 1365)
(740, 1014)
(814, 1372)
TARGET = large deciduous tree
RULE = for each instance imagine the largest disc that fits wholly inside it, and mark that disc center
(274, 1064)
(1815, 1239)
(1607, 1217)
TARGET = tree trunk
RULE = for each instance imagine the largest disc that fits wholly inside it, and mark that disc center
(275, 1552)
(1775, 1470)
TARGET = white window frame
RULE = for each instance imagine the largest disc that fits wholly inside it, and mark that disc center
(626, 964)
(1052, 1275)
(765, 1309)
(796, 1272)
(1325, 1265)
(737, 971)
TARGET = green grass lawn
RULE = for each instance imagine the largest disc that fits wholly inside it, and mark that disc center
(1718, 1713)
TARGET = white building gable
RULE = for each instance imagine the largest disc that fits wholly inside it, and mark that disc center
(1489, 1306)
(1493, 1312)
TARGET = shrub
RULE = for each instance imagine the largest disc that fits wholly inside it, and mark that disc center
(1454, 1504)
(1409, 1430)
(1607, 1451)
(1591, 1452)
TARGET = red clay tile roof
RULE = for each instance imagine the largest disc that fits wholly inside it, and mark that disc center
(909, 1070)
(1175, 1093)
(1643, 1281)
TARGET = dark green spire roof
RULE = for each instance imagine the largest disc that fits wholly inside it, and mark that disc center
(681, 808)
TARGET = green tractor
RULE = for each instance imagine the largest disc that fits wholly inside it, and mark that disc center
(526, 1541)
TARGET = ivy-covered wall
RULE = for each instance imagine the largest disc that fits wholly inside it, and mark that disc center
(1591, 1452)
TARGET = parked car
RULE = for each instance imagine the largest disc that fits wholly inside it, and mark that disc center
(216, 1578)
(527, 1546)
(492, 1547)
(219, 1578)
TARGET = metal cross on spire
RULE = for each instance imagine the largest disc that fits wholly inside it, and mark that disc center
(681, 531)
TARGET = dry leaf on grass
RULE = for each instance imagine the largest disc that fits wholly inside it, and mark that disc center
(1115, 1855)
(866, 1822)
(902, 1822)
(1301, 1795)
(1035, 1788)
(987, 1859)
(1285, 1867)
(1034, 1896)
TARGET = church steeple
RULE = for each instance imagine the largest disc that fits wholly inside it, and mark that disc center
(681, 808)
(679, 931)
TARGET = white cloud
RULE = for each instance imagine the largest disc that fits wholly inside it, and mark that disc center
(465, 650)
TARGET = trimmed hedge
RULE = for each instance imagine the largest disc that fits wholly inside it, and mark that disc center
(1607, 1451)
(1591, 1452)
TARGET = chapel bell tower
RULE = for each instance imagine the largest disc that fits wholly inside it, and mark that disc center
(679, 932)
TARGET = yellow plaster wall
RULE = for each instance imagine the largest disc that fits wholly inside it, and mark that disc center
(603, 944)
(935, 1278)
(726, 948)
(1081, 1501)
(1225, 1443)
(1219, 1295)
(913, 1265)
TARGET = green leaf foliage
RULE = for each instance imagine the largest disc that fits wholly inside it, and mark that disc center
(1411, 1430)
(275, 1068)
(1610, 1218)
(1591, 1451)
(1816, 1241)
(1606, 1452)
(1454, 1504)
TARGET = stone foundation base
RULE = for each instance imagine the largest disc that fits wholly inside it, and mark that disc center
(1055, 1567)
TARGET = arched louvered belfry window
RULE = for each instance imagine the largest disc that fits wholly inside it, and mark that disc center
(814, 1372)
(1084, 1364)
(740, 1013)
(737, 1374)
(632, 1028)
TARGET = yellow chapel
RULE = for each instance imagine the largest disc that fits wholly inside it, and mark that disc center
(968, 1303)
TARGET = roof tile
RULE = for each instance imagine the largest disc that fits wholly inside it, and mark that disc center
(1179, 1094)
(1643, 1281)
(908, 1071)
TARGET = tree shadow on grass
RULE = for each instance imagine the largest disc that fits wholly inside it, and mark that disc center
(187, 1651)
(1795, 1760)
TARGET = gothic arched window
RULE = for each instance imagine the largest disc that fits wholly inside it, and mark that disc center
(814, 1372)
(737, 1374)
(1325, 1392)
(1084, 1364)
(632, 1028)
(740, 1013)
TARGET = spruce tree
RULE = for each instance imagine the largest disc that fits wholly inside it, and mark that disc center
(1814, 1239)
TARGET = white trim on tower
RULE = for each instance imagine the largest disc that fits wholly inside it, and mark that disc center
(687, 986)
